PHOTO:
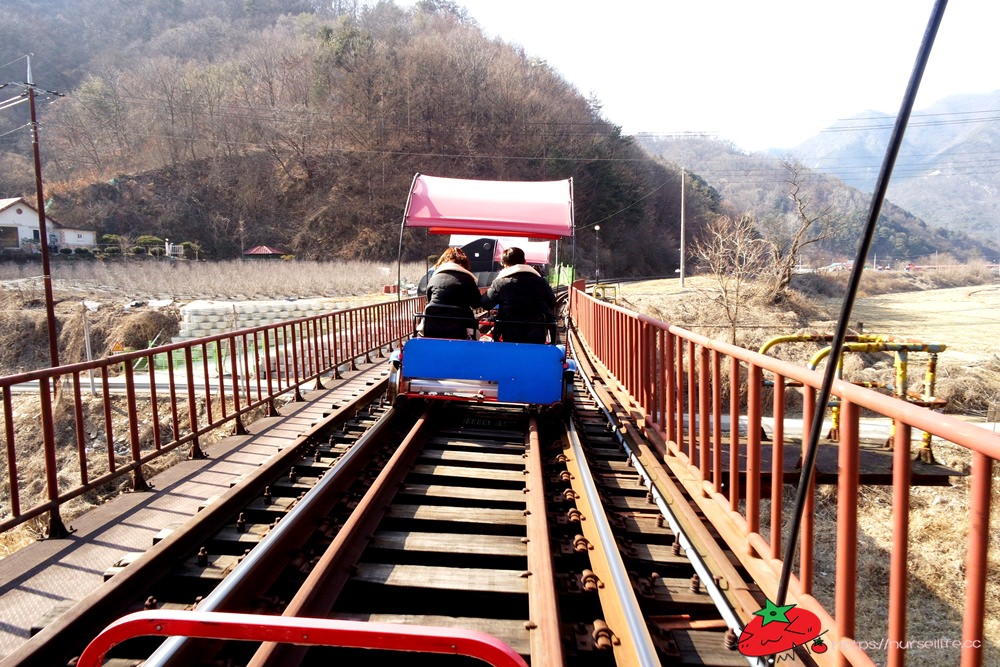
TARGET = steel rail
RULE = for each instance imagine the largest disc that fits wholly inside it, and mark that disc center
(318, 593)
(653, 482)
(635, 645)
(259, 565)
(543, 603)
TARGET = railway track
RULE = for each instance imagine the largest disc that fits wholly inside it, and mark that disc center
(557, 534)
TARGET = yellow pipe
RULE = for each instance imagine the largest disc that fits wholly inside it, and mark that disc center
(901, 348)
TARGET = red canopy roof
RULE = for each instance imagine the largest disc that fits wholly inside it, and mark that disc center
(536, 209)
(264, 250)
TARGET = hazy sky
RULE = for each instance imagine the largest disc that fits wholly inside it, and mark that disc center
(761, 73)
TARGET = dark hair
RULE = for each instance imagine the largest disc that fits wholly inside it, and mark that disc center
(455, 256)
(512, 257)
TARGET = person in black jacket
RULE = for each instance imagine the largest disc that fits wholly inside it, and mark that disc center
(526, 301)
(452, 297)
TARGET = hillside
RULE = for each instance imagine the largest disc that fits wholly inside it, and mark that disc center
(761, 184)
(301, 127)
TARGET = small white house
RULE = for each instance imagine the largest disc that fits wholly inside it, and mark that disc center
(19, 229)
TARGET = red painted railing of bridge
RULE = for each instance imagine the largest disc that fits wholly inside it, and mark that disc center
(194, 388)
(675, 382)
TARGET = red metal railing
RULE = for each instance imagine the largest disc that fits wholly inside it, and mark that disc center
(666, 374)
(304, 631)
(193, 388)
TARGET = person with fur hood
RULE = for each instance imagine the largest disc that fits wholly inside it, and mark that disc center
(526, 301)
(452, 297)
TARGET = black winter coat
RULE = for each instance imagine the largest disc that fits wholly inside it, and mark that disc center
(452, 285)
(526, 303)
(452, 297)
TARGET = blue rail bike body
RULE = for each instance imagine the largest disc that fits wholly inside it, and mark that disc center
(470, 370)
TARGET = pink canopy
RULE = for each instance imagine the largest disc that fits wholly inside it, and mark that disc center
(534, 209)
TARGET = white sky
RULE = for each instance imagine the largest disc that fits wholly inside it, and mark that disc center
(761, 73)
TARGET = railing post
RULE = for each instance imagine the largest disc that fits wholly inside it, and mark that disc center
(807, 535)
(692, 398)
(976, 560)
(716, 421)
(647, 373)
(57, 528)
(8, 422)
(679, 392)
(777, 464)
(139, 482)
(898, 566)
(293, 332)
(335, 342)
(195, 452)
(807, 539)
(704, 407)
(734, 434)
(670, 383)
(207, 380)
(354, 339)
(847, 524)
(239, 428)
(754, 408)
(271, 410)
(81, 437)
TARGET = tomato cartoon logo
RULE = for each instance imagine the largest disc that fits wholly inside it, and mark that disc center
(776, 629)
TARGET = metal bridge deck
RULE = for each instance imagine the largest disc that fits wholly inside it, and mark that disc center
(44, 579)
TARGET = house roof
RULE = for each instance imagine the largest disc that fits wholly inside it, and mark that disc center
(264, 250)
(10, 202)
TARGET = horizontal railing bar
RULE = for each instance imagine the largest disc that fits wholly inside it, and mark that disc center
(241, 371)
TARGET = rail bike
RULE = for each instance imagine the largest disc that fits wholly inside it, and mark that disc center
(444, 359)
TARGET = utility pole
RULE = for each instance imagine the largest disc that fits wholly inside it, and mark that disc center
(29, 96)
(56, 527)
(50, 313)
(682, 228)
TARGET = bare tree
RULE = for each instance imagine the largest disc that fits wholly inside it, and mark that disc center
(736, 255)
(787, 238)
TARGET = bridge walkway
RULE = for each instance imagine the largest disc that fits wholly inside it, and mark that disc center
(45, 579)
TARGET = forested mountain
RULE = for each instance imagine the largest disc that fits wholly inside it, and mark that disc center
(760, 183)
(239, 122)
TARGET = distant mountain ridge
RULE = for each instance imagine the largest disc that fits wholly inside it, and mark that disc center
(948, 170)
(943, 197)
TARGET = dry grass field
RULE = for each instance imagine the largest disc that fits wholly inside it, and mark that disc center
(959, 308)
